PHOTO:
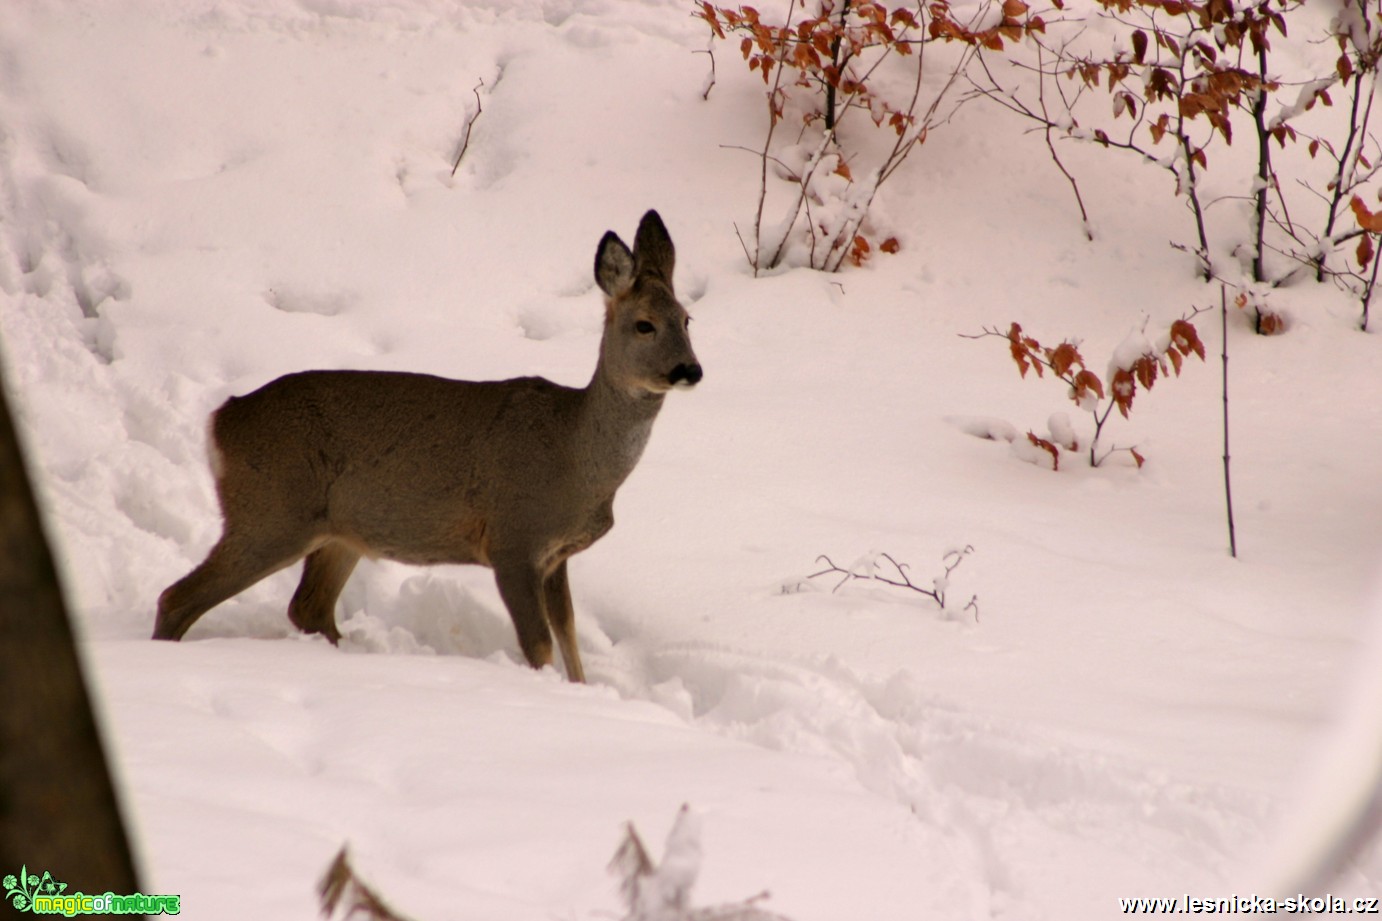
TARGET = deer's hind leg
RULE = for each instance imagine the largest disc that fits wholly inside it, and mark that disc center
(324, 574)
(234, 564)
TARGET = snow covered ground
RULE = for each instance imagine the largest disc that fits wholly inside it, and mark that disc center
(197, 197)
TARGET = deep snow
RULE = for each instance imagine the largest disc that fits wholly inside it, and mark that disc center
(198, 197)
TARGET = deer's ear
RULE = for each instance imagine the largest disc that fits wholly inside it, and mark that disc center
(652, 248)
(613, 265)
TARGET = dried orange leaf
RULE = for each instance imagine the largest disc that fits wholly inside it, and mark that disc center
(1366, 219)
(1124, 388)
(1185, 337)
(1087, 382)
(1047, 447)
(1063, 357)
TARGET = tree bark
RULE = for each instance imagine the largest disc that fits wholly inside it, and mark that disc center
(58, 809)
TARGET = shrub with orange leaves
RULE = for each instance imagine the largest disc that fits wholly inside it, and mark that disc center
(1136, 364)
(821, 64)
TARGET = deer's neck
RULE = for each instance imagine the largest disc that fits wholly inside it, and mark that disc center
(614, 427)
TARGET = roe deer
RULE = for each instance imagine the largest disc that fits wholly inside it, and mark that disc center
(516, 475)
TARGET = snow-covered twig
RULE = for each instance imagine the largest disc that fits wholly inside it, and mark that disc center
(867, 569)
(662, 892)
(709, 50)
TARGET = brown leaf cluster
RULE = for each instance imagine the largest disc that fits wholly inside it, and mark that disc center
(1067, 364)
(1017, 23)
(819, 49)
(1184, 60)
(1370, 223)
(861, 249)
(1063, 360)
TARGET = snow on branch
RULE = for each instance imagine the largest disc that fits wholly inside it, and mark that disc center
(662, 892)
(344, 896)
(869, 567)
(650, 891)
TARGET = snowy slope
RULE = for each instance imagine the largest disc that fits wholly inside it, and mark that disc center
(198, 197)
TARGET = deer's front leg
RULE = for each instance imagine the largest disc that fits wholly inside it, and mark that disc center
(562, 618)
(521, 586)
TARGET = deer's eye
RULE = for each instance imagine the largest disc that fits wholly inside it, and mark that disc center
(644, 328)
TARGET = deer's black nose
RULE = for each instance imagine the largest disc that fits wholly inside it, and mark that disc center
(685, 374)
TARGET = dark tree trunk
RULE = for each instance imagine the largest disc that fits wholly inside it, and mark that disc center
(58, 811)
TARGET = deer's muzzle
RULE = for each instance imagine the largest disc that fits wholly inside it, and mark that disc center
(685, 375)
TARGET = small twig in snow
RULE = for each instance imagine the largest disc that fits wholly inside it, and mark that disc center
(950, 561)
(469, 123)
(1228, 481)
(710, 82)
(341, 889)
(742, 244)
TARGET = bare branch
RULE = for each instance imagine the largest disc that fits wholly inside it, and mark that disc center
(341, 889)
(710, 81)
(898, 576)
(1055, 157)
(469, 124)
